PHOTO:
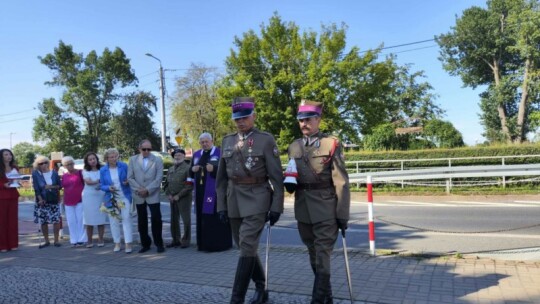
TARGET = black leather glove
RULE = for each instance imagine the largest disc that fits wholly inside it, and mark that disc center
(273, 217)
(223, 216)
(342, 224)
(290, 187)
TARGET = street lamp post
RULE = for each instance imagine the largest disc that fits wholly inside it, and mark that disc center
(10, 142)
(162, 91)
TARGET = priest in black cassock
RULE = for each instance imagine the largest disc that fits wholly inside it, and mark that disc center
(212, 234)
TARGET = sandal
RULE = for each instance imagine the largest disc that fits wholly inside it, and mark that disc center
(89, 245)
(44, 245)
(101, 244)
(57, 244)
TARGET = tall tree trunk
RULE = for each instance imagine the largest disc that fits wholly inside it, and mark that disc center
(500, 106)
(523, 103)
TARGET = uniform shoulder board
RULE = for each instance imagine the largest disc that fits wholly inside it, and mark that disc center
(264, 133)
(295, 148)
(228, 138)
(229, 135)
(330, 136)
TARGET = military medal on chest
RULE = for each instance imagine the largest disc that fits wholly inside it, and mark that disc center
(249, 161)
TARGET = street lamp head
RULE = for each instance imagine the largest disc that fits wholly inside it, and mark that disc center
(150, 55)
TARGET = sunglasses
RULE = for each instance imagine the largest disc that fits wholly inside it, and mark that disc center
(146, 149)
(41, 164)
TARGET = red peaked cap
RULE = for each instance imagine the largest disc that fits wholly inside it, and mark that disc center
(308, 108)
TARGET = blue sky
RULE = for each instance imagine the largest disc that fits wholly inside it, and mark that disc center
(183, 32)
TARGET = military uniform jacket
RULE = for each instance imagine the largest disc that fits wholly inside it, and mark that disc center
(255, 157)
(176, 180)
(319, 164)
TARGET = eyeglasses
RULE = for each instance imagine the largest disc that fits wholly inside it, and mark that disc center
(146, 149)
(69, 164)
(43, 163)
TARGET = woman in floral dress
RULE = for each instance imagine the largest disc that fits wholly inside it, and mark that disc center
(46, 185)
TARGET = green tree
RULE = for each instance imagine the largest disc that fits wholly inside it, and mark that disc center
(384, 137)
(26, 152)
(58, 130)
(489, 118)
(498, 47)
(194, 106)
(443, 134)
(89, 84)
(133, 124)
(280, 66)
(535, 124)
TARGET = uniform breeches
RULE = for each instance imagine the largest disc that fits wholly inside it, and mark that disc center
(246, 233)
(181, 209)
(320, 239)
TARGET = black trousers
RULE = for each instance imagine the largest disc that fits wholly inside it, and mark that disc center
(157, 224)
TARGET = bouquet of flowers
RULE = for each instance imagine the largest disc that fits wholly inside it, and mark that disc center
(113, 207)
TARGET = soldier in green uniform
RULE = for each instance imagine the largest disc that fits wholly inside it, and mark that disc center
(249, 193)
(322, 197)
(178, 189)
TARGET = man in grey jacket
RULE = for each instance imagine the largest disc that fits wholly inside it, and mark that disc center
(145, 172)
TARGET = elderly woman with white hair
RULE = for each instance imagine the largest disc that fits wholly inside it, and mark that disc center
(46, 184)
(73, 184)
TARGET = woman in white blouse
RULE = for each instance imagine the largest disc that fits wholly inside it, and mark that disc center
(92, 198)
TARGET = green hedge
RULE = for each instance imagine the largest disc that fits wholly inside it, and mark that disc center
(483, 151)
(466, 152)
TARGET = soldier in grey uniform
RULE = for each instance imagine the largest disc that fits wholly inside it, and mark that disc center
(178, 189)
(322, 197)
(249, 193)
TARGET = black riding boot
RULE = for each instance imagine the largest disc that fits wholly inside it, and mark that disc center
(241, 279)
(261, 295)
(329, 299)
(321, 293)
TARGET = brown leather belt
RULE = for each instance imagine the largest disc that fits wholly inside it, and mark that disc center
(248, 180)
(314, 186)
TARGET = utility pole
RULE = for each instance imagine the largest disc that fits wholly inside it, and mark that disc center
(162, 91)
(10, 142)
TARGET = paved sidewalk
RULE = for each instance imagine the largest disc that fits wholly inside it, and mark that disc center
(98, 275)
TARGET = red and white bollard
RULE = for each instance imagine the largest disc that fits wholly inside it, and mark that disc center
(371, 223)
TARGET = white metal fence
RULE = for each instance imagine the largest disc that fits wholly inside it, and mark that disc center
(448, 173)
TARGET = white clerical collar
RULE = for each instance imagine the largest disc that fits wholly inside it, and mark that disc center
(211, 150)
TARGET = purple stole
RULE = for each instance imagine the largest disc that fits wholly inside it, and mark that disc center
(209, 199)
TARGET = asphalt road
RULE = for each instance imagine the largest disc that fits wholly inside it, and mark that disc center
(422, 225)
(437, 224)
